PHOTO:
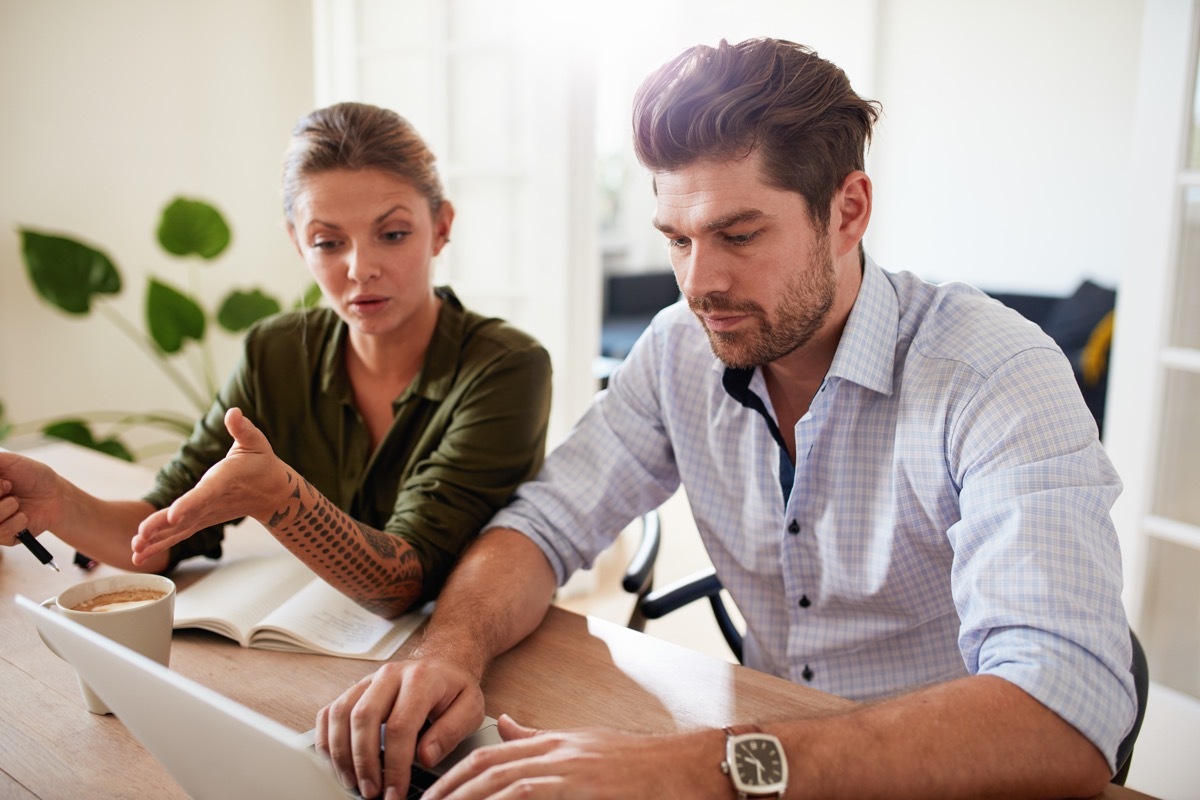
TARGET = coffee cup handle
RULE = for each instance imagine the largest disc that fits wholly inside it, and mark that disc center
(50, 604)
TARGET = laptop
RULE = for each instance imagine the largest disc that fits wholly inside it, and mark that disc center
(213, 746)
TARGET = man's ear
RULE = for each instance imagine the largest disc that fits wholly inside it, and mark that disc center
(442, 223)
(851, 213)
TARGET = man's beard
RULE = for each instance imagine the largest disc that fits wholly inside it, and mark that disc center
(804, 308)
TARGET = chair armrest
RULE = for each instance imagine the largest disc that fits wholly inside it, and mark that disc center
(639, 575)
(677, 595)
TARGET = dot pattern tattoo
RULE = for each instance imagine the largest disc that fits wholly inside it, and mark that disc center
(379, 571)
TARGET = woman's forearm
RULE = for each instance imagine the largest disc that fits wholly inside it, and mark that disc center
(379, 571)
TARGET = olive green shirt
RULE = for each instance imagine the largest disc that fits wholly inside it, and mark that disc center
(469, 428)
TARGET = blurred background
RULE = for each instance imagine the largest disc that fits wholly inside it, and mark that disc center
(1007, 157)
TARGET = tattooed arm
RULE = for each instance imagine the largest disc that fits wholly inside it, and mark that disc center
(379, 571)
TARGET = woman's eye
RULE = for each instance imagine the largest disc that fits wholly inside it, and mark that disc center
(396, 236)
(681, 241)
(324, 244)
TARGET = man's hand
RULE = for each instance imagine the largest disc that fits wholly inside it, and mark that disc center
(595, 763)
(249, 482)
(400, 697)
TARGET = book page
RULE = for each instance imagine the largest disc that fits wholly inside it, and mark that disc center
(323, 619)
(232, 598)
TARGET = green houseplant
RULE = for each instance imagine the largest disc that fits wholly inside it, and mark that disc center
(80, 279)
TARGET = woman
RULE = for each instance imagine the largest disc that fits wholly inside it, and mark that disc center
(373, 437)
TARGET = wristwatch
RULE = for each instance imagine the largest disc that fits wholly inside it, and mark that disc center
(754, 762)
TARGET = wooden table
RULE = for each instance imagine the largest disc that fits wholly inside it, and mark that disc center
(573, 671)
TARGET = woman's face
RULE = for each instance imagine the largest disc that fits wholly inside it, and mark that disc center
(369, 239)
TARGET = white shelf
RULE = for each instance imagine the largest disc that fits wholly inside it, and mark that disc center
(1173, 531)
(1182, 358)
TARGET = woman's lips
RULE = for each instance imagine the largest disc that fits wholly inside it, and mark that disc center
(368, 304)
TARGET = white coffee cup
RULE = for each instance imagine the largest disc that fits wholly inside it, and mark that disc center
(133, 617)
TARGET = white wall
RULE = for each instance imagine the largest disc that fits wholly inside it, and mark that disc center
(1002, 158)
(110, 109)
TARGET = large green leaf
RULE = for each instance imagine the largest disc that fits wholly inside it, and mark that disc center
(311, 297)
(193, 227)
(172, 317)
(67, 273)
(5, 425)
(242, 309)
(77, 432)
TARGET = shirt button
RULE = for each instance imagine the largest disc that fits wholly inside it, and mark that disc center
(794, 527)
(804, 601)
(807, 674)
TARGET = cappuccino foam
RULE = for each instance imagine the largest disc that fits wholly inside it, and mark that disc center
(120, 600)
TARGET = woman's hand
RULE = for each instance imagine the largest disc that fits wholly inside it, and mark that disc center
(249, 482)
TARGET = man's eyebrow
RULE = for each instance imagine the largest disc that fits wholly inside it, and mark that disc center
(720, 223)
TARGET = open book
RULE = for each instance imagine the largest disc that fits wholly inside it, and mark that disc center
(276, 603)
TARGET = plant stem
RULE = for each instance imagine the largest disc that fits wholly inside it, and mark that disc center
(168, 369)
(208, 364)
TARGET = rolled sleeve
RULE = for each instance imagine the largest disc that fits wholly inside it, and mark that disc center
(615, 465)
(1037, 568)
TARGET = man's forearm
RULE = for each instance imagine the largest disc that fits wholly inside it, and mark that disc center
(971, 737)
(494, 598)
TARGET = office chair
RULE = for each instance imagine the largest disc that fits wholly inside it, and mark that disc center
(639, 575)
(1141, 682)
(653, 604)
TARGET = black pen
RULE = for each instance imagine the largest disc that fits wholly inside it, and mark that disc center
(35, 547)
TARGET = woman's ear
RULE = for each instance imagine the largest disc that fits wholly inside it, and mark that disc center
(442, 222)
(851, 212)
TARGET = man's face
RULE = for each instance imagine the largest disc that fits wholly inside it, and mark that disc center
(753, 267)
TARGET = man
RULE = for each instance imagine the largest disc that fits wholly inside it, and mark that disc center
(898, 483)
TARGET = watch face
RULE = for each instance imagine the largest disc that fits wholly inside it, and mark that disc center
(757, 763)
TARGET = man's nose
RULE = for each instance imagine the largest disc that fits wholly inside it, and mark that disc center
(702, 272)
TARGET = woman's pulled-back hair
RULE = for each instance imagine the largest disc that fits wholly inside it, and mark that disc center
(354, 136)
(772, 96)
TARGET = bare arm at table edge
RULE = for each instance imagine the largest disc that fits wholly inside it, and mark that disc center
(494, 598)
(972, 737)
(379, 571)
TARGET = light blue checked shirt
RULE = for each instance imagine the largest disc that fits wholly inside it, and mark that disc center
(948, 513)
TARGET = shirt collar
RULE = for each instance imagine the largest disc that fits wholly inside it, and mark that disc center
(866, 354)
(441, 358)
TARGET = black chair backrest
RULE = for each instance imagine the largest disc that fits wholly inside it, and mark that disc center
(1141, 682)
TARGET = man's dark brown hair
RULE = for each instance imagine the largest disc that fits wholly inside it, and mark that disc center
(772, 96)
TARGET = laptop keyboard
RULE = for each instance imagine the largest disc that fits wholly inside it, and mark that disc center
(421, 780)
